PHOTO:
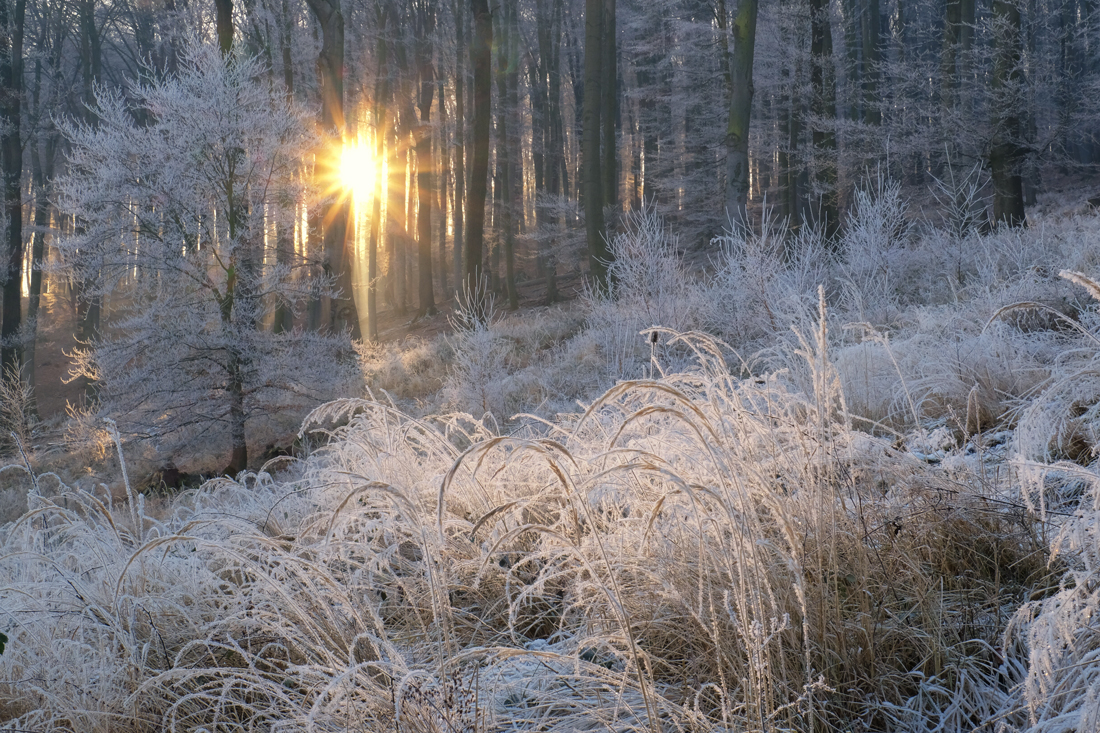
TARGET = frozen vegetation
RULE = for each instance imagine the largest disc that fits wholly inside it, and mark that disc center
(811, 487)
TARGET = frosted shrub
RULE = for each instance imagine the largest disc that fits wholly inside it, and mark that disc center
(649, 282)
(764, 282)
(478, 380)
(1055, 639)
(873, 249)
(16, 413)
(649, 285)
(962, 204)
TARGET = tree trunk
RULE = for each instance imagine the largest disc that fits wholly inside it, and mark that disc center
(11, 95)
(224, 10)
(506, 62)
(284, 232)
(43, 155)
(1007, 151)
(444, 176)
(872, 40)
(480, 60)
(459, 147)
(743, 34)
(823, 106)
(381, 124)
(594, 38)
(557, 176)
(609, 108)
(540, 137)
(425, 26)
(342, 314)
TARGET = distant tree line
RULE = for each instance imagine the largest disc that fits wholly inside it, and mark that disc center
(509, 135)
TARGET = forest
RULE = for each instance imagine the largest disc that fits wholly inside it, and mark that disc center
(439, 366)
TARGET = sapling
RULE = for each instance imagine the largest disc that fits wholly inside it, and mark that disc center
(175, 220)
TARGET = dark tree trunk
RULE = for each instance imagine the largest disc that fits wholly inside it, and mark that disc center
(481, 61)
(43, 156)
(594, 38)
(557, 175)
(609, 106)
(1007, 152)
(224, 10)
(507, 46)
(444, 177)
(11, 97)
(381, 124)
(459, 146)
(88, 301)
(872, 40)
(425, 27)
(743, 34)
(823, 86)
(284, 233)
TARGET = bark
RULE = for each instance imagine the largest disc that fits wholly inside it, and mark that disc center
(609, 107)
(506, 48)
(11, 96)
(1007, 152)
(89, 303)
(743, 36)
(284, 233)
(823, 106)
(425, 26)
(444, 175)
(285, 36)
(872, 40)
(341, 312)
(224, 12)
(557, 176)
(459, 145)
(598, 254)
(381, 123)
(852, 12)
(237, 312)
(480, 60)
(43, 155)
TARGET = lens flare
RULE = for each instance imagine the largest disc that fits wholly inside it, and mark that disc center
(357, 169)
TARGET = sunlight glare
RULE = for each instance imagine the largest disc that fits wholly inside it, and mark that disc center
(357, 169)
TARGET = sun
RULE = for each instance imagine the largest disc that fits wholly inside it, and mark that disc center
(357, 169)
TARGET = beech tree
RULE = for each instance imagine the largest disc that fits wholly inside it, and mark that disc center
(11, 263)
(177, 220)
(743, 38)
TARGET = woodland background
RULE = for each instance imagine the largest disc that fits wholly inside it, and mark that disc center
(558, 366)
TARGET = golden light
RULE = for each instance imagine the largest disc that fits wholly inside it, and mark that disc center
(357, 169)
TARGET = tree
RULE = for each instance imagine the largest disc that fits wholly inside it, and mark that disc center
(595, 36)
(743, 32)
(1007, 151)
(480, 61)
(175, 219)
(424, 23)
(224, 10)
(823, 106)
(342, 313)
(11, 149)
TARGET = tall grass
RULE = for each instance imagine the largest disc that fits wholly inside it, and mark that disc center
(694, 550)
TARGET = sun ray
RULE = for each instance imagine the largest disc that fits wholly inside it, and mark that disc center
(358, 169)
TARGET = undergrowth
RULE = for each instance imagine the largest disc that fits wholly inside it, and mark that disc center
(808, 490)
